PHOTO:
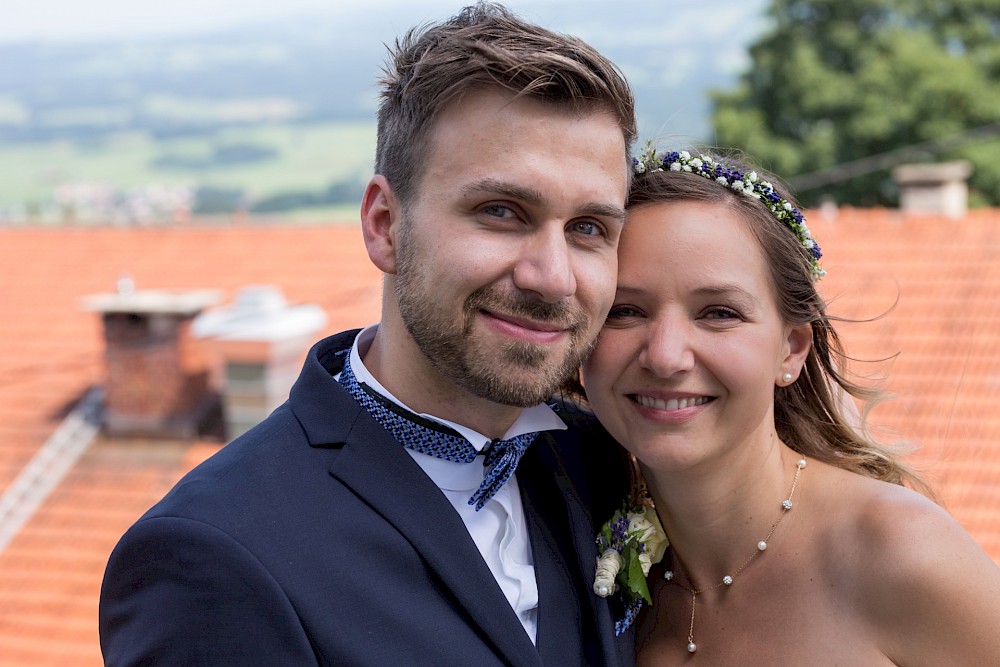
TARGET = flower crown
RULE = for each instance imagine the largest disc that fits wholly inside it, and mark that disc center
(748, 184)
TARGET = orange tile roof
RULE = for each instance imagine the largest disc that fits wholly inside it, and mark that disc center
(937, 283)
(51, 352)
(941, 276)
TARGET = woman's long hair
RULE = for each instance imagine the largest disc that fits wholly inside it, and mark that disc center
(812, 415)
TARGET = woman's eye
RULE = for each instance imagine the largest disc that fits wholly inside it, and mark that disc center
(720, 313)
(618, 312)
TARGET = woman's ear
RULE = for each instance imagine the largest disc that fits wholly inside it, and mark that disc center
(797, 343)
(379, 222)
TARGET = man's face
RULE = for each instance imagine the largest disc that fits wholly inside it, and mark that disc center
(506, 257)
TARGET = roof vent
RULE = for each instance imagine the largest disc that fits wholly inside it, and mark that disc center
(934, 189)
(261, 339)
(157, 378)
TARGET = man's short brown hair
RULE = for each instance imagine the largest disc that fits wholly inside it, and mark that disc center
(485, 46)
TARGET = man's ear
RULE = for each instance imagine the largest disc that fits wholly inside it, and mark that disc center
(379, 223)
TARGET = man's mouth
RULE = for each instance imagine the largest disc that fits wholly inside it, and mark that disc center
(526, 328)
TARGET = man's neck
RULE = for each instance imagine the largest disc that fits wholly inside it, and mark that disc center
(394, 359)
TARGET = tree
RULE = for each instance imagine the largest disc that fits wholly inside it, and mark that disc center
(835, 81)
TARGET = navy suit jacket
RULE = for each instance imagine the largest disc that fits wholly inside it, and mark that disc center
(316, 539)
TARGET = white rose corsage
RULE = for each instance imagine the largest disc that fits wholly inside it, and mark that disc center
(628, 544)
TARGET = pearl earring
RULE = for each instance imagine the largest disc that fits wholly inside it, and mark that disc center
(787, 377)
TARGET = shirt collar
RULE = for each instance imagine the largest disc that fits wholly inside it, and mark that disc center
(535, 418)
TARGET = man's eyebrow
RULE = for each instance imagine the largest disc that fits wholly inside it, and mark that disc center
(535, 197)
(493, 185)
(604, 211)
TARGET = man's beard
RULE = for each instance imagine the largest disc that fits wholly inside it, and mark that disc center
(517, 373)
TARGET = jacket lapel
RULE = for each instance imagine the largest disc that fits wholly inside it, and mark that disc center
(563, 619)
(376, 468)
(577, 501)
(416, 508)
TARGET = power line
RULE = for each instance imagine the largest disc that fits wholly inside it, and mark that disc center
(867, 165)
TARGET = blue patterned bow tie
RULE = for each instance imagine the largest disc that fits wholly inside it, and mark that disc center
(429, 437)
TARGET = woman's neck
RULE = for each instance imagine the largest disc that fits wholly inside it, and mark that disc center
(715, 514)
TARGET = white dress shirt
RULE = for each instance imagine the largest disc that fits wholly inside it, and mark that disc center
(499, 529)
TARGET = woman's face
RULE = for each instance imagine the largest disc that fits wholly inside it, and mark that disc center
(685, 367)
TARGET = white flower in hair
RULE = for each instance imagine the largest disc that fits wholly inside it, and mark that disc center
(748, 184)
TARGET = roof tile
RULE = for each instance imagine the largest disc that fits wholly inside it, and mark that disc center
(933, 286)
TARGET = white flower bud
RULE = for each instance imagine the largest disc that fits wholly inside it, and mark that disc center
(645, 562)
(608, 565)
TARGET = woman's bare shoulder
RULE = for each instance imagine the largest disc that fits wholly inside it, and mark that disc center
(894, 532)
(909, 568)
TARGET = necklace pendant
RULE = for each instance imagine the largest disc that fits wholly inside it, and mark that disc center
(728, 579)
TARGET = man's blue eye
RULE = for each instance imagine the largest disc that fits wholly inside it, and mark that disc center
(498, 211)
(587, 228)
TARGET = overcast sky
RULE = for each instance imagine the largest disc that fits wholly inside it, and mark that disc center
(97, 19)
(660, 44)
(74, 20)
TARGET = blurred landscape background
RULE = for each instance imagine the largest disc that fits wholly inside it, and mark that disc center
(272, 113)
(141, 112)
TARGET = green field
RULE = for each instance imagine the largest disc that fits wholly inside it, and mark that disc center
(298, 158)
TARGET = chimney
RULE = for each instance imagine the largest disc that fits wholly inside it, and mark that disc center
(156, 377)
(261, 340)
(934, 189)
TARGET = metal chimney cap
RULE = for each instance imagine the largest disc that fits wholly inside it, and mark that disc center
(932, 172)
(259, 313)
(153, 302)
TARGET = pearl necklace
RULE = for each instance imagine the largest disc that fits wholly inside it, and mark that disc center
(728, 580)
